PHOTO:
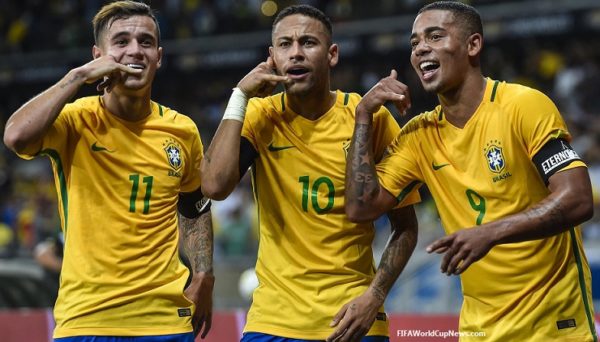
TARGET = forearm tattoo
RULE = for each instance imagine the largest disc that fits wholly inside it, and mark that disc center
(397, 252)
(69, 82)
(197, 235)
(362, 174)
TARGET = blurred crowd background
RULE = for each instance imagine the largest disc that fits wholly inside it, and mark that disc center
(210, 45)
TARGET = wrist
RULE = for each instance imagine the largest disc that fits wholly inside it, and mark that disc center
(75, 77)
(204, 276)
(236, 107)
(362, 115)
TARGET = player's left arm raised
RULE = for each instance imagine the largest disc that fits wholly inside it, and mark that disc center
(355, 318)
(568, 204)
(195, 222)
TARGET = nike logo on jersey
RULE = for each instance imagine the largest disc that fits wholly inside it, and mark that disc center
(437, 167)
(278, 148)
(97, 148)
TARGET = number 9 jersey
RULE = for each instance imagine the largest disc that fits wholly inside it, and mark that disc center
(534, 290)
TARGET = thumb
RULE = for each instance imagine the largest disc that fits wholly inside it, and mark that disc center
(394, 74)
(270, 62)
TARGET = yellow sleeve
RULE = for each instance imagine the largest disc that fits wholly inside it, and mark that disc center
(58, 135)
(252, 121)
(399, 171)
(538, 120)
(191, 179)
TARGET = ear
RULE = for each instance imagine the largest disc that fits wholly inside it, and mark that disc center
(474, 44)
(96, 52)
(160, 54)
(272, 55)
(333, 55)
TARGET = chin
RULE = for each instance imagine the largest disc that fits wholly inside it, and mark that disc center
(297, 89)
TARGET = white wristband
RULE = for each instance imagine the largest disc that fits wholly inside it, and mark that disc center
(236, 107)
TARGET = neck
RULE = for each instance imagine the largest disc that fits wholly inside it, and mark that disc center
(312, 106)
(460, 103)
(130, 108)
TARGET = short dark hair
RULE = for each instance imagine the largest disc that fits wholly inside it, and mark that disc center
(305, 10)
(466, 14)
(121, 10)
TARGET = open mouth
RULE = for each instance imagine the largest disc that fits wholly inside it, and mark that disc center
(428, 68)
(136, 66)
(297, 71)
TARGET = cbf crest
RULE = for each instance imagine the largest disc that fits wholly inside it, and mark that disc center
(173, 153)
(495, 157)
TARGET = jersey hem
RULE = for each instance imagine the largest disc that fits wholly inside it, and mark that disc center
(121, 331)
(303, 334)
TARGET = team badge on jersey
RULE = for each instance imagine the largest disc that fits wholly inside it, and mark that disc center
(495, 157)
(173, 151)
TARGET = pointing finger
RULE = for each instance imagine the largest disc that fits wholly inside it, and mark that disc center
(128, 69)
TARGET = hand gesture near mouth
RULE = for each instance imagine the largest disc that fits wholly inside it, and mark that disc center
(261, 81)
(108, 68)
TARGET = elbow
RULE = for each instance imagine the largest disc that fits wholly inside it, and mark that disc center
(14, 140)
(216, 190)
(11, 140)
(358, 215)
(587, 210)
(581, 209)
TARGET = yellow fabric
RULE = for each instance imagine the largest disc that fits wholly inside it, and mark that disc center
(518, 291)
(118, 192)
(311, 259)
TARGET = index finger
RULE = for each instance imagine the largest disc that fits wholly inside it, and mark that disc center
(207, 325)
(440, 245)
(341, 330)
(128, 69)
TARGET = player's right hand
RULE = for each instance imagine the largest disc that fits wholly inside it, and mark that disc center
(387, 89)
(261, 81)
(107, 68)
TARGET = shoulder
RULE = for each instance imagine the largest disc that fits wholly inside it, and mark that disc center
(519, 95)
(422, 122)
(83, 104)
(274, 102)
(270, 108)
(171, 115)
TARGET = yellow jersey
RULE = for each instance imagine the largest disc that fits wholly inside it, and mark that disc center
(528, 291)
(311, 260)
(118, 184)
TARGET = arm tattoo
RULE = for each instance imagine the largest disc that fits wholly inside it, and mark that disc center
(397, 252)
(69, 82)
(549, 212)
(363, 184)
(197, 235)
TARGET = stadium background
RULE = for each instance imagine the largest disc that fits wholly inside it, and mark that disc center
(209, 46)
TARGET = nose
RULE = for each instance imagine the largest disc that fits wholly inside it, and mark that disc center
(296, 52)
(421, 48)
(134, 48)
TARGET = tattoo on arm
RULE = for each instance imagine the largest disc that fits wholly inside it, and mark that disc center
(69, 82)
(364, 184)
(397, 252)
(197, 235)
(547, 218)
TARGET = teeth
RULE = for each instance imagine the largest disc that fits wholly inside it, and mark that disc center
(135, 66)
(426, 65)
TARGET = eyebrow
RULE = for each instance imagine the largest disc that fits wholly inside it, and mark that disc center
(303, 36)
(127, 33)
(428, 31)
